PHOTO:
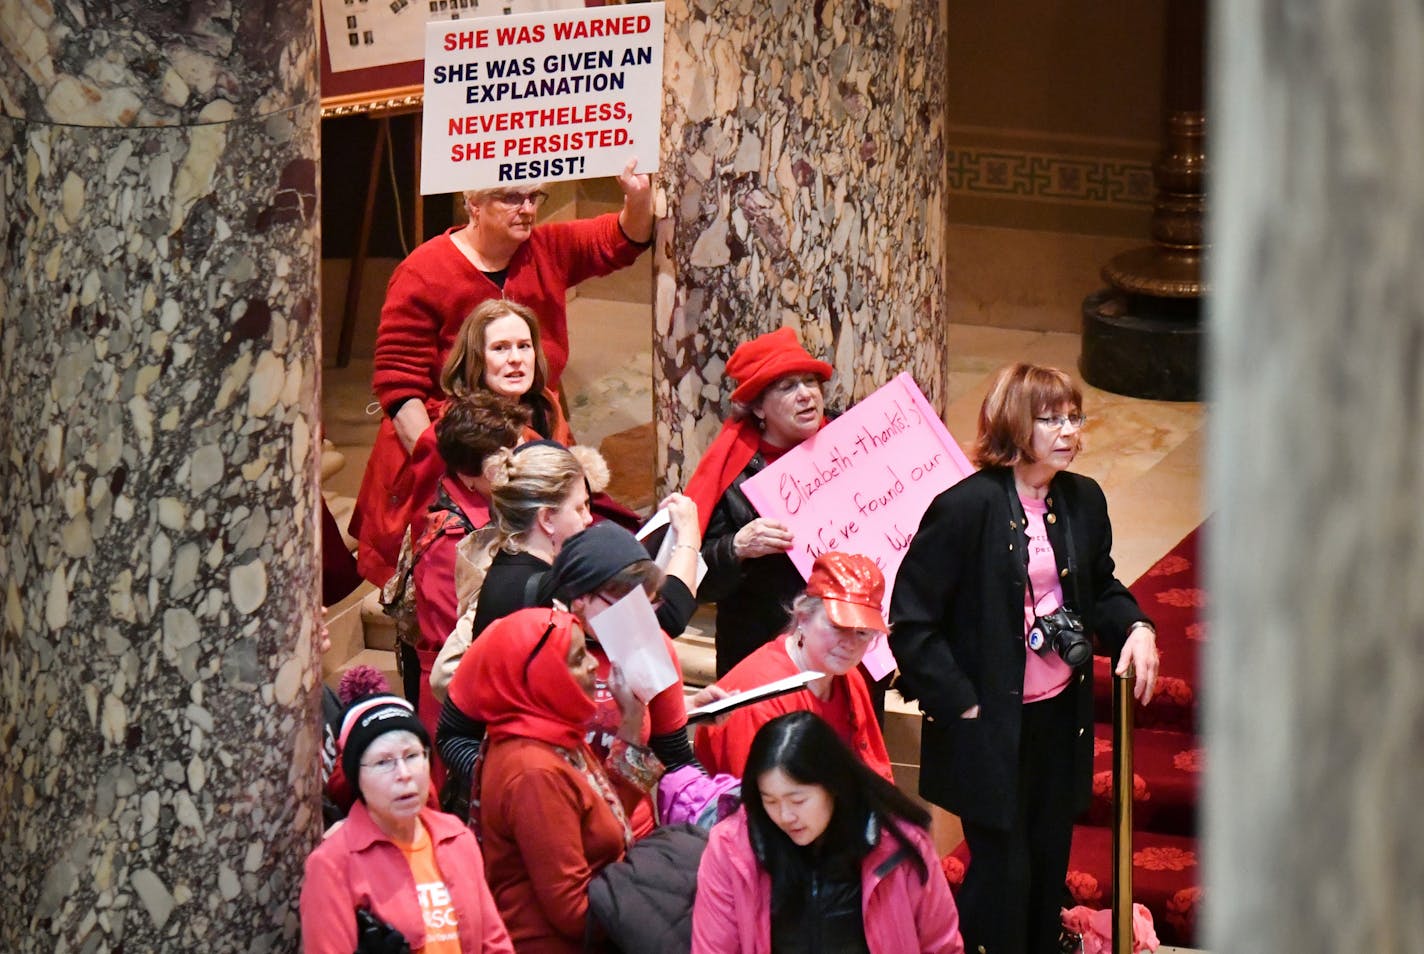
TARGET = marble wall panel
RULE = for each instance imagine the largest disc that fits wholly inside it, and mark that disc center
(159, 365)
(804, 186)
(132, 63)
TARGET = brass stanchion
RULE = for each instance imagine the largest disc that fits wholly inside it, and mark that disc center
(1122, 812)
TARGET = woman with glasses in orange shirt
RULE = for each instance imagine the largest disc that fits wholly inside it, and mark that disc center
(396, 870)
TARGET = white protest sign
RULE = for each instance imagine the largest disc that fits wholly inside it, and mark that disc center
(862, 484)
(541, 97)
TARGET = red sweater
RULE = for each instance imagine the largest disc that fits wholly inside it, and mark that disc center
(546, 834)
(724, 748)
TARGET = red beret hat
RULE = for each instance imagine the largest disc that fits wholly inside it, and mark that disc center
(758, 362)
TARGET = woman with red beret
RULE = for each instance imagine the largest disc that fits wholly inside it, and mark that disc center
(777, 404)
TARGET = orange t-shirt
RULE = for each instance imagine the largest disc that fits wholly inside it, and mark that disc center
(442, 935)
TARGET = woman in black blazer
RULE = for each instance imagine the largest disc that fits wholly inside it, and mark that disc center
(980, 632)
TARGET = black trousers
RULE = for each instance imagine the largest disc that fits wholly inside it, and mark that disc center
(1013, 889)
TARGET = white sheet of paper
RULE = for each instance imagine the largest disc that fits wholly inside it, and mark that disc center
(628, 630)
(660, 519)
(746, 697)
(664, 554)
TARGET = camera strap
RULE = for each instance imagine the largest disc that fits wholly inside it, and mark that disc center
(1020, 518)
(1020, 523)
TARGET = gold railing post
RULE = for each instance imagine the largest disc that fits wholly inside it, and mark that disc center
(1122, 813)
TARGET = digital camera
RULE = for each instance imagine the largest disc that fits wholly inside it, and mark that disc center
(1062, 631)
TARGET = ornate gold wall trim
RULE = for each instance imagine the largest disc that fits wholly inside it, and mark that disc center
(988, 172)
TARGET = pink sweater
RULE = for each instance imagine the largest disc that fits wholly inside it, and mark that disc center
(903, 913)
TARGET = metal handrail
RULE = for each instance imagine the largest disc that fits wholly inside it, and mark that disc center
(1122, 813)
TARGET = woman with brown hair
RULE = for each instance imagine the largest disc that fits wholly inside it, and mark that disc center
(498, 350)
(1005, 582)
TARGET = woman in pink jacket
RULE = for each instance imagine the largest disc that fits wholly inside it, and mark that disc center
(396, 871)
(825, 857)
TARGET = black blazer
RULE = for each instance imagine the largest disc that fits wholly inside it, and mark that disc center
(957, 631)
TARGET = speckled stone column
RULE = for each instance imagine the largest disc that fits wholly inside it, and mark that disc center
(804, 186)
(159, 375)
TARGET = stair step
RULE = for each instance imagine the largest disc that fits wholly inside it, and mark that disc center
(345, 628)
(1167, 774)
(1166, 877)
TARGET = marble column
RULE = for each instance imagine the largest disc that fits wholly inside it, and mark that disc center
(159, 376)
(1315, 713)
(804, 170)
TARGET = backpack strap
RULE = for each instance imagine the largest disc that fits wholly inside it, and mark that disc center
(531, 589)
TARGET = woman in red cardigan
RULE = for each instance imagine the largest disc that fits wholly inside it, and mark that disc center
(551, 816)
(500, 254)
(832, 625)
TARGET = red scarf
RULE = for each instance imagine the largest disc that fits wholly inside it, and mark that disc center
(517, 680)
(736, 444)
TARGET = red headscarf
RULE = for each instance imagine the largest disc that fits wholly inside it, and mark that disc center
(754, 365)
(516, 679)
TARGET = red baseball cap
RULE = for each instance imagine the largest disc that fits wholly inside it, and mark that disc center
(851, 587)
(757, 363)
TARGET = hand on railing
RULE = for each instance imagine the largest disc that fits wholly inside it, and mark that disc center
(1139, 655)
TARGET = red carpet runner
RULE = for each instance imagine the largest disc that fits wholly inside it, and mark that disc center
(1167, 765)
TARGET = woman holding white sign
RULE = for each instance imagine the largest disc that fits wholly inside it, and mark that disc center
(500, 253)
(595, 569)
(1003, 586)
(778, 403)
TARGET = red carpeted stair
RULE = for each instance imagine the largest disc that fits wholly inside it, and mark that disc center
(1167, 765)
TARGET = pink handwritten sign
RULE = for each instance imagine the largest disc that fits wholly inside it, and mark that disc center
(862, 484)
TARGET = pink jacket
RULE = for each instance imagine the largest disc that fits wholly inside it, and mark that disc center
(903, 913)
(359, 866)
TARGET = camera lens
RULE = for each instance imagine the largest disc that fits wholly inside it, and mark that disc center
(1074, 648)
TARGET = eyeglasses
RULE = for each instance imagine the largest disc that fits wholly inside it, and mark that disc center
(1058, 421)
(516, 200)
(414, 760)
(793, 382)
